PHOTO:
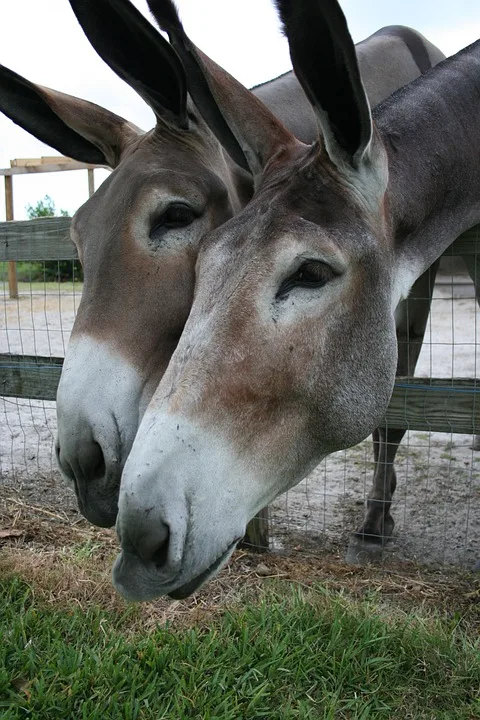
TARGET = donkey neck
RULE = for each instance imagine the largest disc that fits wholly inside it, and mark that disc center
(431, 130)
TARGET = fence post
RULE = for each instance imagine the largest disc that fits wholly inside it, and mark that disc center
(256, 537)
(473, 266)
(12, 266)
(91, 182)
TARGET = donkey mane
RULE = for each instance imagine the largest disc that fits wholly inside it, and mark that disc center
(413, 41)
(267, 82)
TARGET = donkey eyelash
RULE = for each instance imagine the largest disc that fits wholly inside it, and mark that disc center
(311, 274)
(177, 215)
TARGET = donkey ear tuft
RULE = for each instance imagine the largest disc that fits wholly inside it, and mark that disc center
(166, 15)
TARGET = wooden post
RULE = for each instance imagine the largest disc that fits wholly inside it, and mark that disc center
(12, 267)
(256, 535)
(91, 182)
(473, 266)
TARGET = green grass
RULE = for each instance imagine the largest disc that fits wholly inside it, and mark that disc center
(295, 654)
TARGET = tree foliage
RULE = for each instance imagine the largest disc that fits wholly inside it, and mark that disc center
(44, 208)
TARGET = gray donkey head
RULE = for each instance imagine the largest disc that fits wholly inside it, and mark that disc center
(289, 352)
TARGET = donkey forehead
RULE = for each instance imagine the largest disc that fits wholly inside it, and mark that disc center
(136, 188)
(301, 210)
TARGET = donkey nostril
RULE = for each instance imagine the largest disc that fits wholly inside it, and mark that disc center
(66, 467)
(152, 547)
(97, 462)
(160, 556)
(87, 463)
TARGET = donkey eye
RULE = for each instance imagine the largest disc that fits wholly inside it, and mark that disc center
(312, 274)
(176, 215)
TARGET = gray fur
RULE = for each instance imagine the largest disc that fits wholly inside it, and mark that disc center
(286, 99)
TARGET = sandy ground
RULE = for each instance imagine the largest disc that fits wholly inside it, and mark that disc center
(437, 503)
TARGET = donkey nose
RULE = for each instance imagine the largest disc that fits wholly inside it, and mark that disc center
(83, 463)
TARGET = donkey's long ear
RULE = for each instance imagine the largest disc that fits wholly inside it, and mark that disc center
(324, 60)
(243, 125)
(137, 53)
(74, 127)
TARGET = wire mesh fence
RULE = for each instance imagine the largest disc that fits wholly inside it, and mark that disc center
(437, 502)
(36, 323)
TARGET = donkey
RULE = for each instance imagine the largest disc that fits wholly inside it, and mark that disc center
(289, 352)
(139, 235)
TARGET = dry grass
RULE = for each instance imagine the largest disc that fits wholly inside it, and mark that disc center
(68, 563)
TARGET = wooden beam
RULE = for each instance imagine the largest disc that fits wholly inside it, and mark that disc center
(432, 404)
(53, 167)
(44, 160)
(12, 268)
(450, 405)
(28, 376)
(39, 239)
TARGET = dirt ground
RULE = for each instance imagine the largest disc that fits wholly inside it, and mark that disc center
(437, 503)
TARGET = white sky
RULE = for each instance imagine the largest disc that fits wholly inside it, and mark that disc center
(44, 42)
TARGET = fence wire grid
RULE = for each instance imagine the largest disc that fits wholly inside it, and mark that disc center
(436, 505)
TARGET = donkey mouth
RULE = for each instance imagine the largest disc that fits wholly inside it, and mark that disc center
(184, 591)
(98, 510)
(142, 582)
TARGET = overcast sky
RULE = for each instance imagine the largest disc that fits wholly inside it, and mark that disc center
(43, 42)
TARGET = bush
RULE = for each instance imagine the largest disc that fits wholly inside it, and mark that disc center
(49, 270)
